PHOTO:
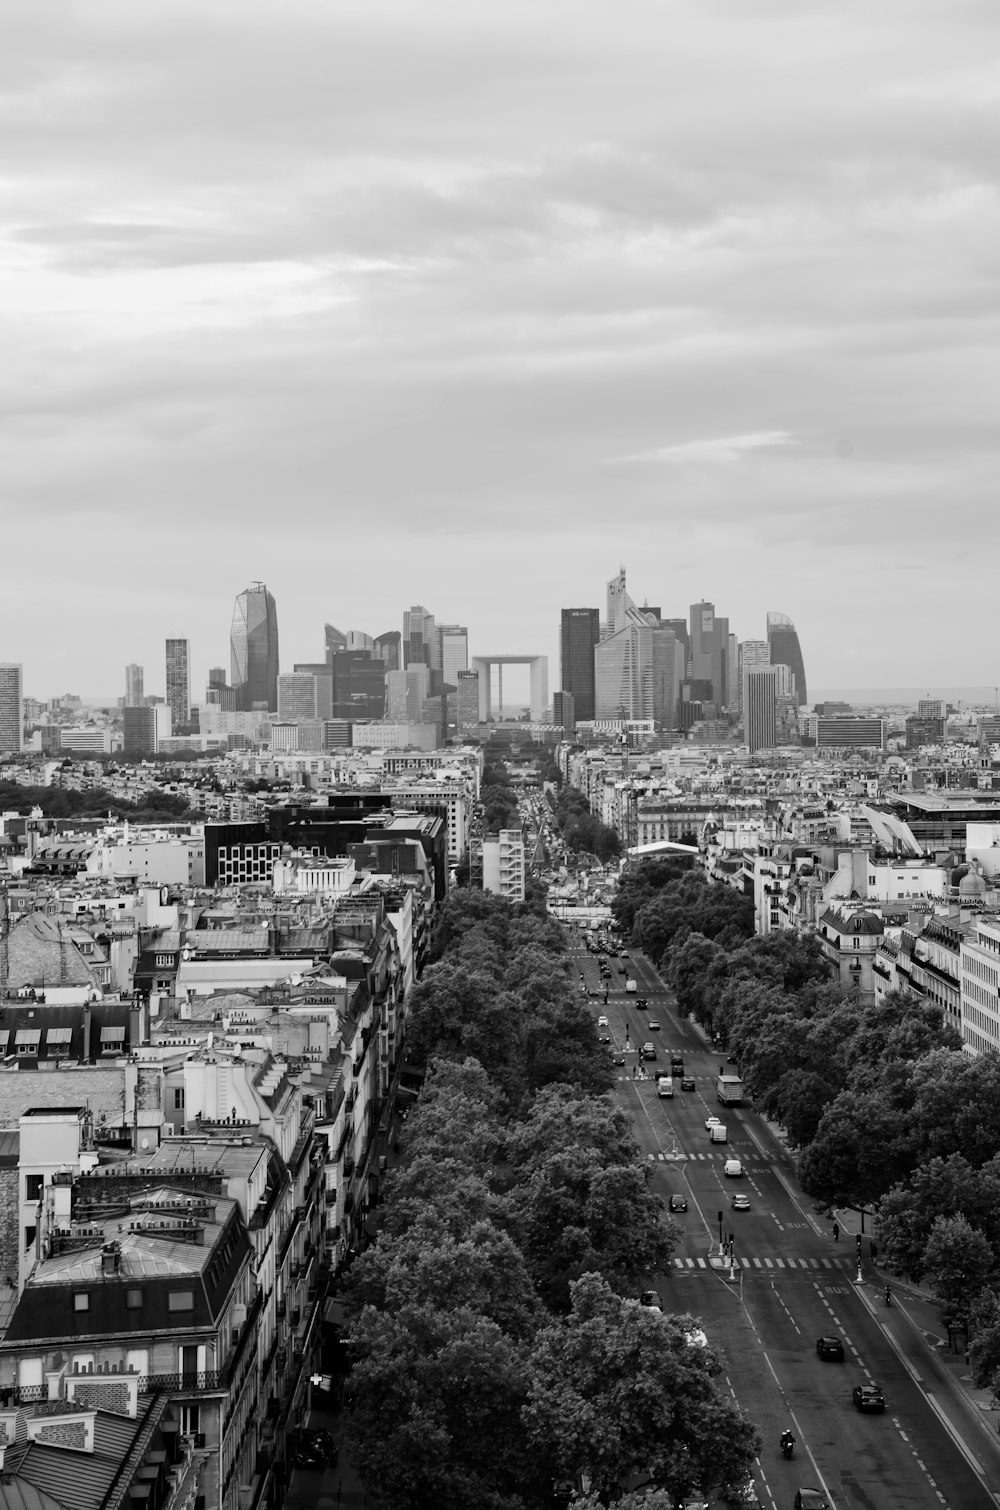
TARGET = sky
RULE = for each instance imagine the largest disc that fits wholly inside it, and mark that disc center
(468, 302)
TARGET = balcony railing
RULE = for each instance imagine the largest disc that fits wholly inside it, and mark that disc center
(184, 1383)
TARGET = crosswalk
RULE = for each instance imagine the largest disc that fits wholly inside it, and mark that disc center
(720, 1151)
(774, 1264)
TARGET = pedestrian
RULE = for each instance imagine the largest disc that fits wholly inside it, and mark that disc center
(836, 1232)
(873, 1251)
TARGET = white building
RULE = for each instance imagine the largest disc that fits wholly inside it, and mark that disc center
(504, 864)
(980, 984)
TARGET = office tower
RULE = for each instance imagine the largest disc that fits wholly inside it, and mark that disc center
(298, 696)
(254, 650)
(406, 694)
(179, 682)
(786, 651)
(579, 633)
(218, 693)
(752, 653)
(419, 641)
(618, 602)
(145, 728)
(452, 651)
(358, 640)
(708, 653)
(334, 640)
(932, 707)
(387, 646)
(637, 670)
(11, 708)
(564, 711)
(357, 684)
(760, 687)
(732, 671)
(133, 685)
(468, 701)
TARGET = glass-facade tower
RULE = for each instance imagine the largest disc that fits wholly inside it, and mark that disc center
(786, 651)
(579, 632)
(254, 650)
(179, 682)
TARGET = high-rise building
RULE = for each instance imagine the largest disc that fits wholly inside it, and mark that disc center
(452, 651)
(564, 711)
(752, 653)
(618, 602)
(334, 639)
(708, 652)
(358, 684)
(133, 685)
(579, 633)
(760, 691)
(406, 694)
(637, 670)
(11, 708)
(298, 696)
(254, 650)
(179, 682)
(145, 727)
(468, 701)
(387, 646)
(932, 707)
(786, 651)
(419, 639)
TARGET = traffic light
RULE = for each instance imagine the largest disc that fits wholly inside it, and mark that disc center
(720, 1218)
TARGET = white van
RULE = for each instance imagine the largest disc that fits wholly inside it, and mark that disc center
(665, 1085)
(733, 1169)
(718, 1133)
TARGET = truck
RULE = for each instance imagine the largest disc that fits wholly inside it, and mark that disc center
(729, 1089)
(631, 986)
(665, 1086)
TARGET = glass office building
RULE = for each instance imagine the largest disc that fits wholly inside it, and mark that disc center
(254, 650)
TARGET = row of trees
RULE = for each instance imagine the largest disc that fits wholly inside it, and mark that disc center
(498, 798)
(495, 1351)
(68, 802)
(883, 1104)
(580, 831)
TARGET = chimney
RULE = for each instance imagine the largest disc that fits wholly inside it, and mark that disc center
(111, 1258)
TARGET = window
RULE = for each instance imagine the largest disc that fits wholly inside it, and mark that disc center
(179, 1100)
(81, 1300)
(180, 1300)
(133, 1300)
(33, 1186)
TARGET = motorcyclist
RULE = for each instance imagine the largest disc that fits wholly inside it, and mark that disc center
(787, 1443)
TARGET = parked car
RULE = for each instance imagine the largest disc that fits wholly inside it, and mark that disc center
(830, 1348)
(868, 1397)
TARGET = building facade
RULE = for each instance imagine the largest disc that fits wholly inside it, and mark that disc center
(579, 633)
(254, 650)
(786, 651)
(133, 686)
(11, 708)
(179, 682)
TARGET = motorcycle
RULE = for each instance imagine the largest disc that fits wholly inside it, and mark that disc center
(787, 1445)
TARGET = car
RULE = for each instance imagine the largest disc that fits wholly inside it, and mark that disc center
(830, 1348)
(811, 1499)
(868, 1397)
(687, 1083)
(602, 1021)
(604, 1037)
(733, 1169)
(740, 1202)
(651, 1299)
(653, 1026)
(641, 1004)
(649, 1051)
(678, 1203)
(711, 1122)
(618, 1057)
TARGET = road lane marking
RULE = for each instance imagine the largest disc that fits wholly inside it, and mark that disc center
(816, 1468)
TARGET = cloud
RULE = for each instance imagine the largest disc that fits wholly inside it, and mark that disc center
(724, 448)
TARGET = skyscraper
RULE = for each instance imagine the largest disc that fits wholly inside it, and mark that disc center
(387, 647)
(786, 651)
(179, 682)
(452, 651)
(419, 640)
(254, 650)
(11, 708)
(753, 653)
(709, 651)
(579, 632)
(760, 685)
(133, 685)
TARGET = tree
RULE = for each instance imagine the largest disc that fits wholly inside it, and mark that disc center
(958, 1262)
(688, 966)
(984, 1340)
(862, 1147)
(937, 1188)
(621, 1392)
(435, 1400)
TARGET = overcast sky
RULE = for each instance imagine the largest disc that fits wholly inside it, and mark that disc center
(467, 302)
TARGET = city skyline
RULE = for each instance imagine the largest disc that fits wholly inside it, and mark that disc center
(728, 314)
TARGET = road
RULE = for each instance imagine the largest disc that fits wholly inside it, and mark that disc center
(789, 1283)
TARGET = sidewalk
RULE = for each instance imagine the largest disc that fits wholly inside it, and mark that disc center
(337, 1488)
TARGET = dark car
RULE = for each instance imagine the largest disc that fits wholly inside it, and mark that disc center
(315, 1449)
(618, 1057)
(678, 1203)
(641, 1003)
(831, 1348)
(687, 1083)
(811, 1499)
(651, 1299)
(604, 1037)
(868, 1397)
